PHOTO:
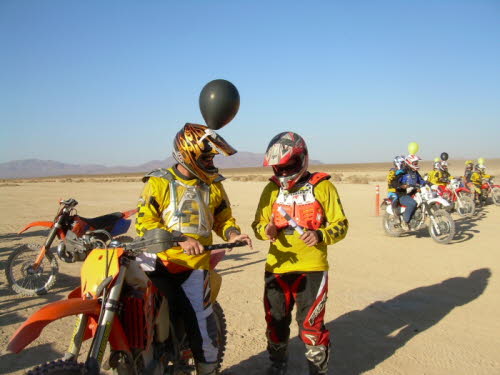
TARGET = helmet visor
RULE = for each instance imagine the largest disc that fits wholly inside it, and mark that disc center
(294, 165)
(216, 144)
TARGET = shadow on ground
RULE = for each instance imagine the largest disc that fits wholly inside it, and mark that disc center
(362, 339)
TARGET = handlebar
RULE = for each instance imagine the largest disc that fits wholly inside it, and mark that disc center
(157, 240)
(225, 245)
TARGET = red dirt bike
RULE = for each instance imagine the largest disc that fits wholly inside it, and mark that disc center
(32, 269)
(459, 198)
(117, 304)
(489, 189)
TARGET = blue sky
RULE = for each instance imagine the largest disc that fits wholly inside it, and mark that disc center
(111, 82)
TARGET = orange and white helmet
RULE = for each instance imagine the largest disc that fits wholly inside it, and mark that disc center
(411, 161)
(194, 148)
(287, 154)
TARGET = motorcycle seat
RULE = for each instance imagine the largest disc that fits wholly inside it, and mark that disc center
(103, 222)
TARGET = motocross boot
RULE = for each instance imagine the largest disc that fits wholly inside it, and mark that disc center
(317, 359)
(204, 368)
(278, 354)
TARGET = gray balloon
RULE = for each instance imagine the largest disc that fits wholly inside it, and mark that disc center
(219, 103)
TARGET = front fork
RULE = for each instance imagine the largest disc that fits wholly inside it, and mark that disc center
(433, 221)
(48, 242)
(110, 306)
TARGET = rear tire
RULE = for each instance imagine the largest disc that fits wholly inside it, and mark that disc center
(23, 278)
(446, 226)
(59, 367)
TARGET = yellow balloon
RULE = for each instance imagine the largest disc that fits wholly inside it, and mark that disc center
(413, 147)
(436, 160)
(480, 161)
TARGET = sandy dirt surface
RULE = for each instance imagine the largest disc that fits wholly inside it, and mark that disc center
(396, 305)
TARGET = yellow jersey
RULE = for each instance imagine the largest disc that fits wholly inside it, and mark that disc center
(156, 210)
(289, 253)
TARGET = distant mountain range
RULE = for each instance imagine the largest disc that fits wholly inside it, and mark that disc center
(43, 168)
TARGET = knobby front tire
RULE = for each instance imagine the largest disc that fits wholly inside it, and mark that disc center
(23, 278)
(59, 367)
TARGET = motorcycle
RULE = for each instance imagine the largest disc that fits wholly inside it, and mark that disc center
(117, 304)
(440, 223)
(32, 269)
(489, 189)
(458, 197)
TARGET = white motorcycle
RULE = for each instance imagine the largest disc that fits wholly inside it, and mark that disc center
(429, 206)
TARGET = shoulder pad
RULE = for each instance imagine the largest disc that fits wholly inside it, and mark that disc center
(160, 172)
(316, 177)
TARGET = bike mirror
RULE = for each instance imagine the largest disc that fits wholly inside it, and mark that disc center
(219, 102)
(444, 156)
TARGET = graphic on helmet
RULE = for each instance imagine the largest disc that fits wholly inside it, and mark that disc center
(411, 162)
(287, 154)
(219, 102)
(195, 147)
(398, 161)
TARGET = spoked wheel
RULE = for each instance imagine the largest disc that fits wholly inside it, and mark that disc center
(441, 226)
(495, 196)
(59, 367)
(26, 279)
(391, 225)
(466, 207)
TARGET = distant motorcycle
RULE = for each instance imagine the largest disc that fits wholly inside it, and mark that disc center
(489, 189)
(459, 198)
(117, 306)
(32, 269)
(430, 208)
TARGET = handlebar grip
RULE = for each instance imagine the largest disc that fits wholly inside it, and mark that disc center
(225, 246)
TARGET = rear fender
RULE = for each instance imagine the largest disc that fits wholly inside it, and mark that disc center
(127, 214)
(48, 224)
(439, 200)
(462, 189)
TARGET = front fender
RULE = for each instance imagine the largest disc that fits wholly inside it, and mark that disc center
(48, 224)
(33, 326)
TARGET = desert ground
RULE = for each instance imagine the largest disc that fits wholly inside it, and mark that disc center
(396, 306)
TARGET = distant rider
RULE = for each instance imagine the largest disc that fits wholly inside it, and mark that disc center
(441, 177)
(392, 178)
(477, 180)
(408, 183)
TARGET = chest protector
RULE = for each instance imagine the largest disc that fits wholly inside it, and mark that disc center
(188, 210)
(301, 204)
